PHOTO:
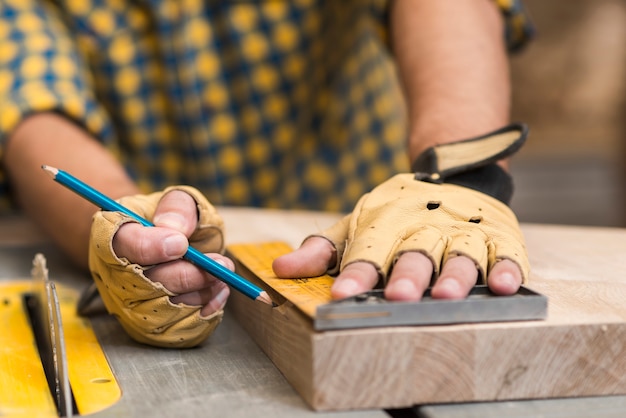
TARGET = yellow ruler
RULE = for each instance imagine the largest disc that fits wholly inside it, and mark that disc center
(306, 293)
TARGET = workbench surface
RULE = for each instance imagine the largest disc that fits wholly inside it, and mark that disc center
(230, 376)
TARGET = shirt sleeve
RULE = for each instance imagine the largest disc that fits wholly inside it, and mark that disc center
(519, 28)
(42, 71)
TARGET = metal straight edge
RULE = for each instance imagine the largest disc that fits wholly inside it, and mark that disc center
(53, 354)
(370, 309)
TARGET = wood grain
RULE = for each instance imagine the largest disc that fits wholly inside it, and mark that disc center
(579, 350)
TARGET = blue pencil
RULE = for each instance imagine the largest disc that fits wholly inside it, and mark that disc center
(196, 257)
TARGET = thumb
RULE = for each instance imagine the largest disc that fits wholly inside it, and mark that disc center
(313, 258)
(177, 210)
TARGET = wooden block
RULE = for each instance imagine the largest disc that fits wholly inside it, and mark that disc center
(579, 350)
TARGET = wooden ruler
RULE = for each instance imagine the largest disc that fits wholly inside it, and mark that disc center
(305, 293)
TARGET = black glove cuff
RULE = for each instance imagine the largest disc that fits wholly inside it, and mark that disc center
(472, 163)
(490, 179)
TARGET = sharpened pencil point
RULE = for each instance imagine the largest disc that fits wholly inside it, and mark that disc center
(50, 170)
(265, 298)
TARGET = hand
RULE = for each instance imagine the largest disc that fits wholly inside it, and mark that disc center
(162, 248)
(159, 298)
(398, 235)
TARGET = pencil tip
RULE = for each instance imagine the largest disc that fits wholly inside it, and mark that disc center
(50, 170)
(265, 298)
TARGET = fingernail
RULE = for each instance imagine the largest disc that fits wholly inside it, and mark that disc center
(450, 287)
(347, 287)
(175, 245)
(508, 280)
(222, 297)
(403, 287)
(171, 220)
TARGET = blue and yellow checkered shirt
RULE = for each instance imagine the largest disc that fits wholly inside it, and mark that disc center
(291, 104)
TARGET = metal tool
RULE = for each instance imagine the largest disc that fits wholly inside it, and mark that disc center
(49, 366)
(312, 296)
(51, 342)
(371, 309)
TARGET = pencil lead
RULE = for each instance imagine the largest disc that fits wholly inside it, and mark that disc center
(50, 170)
(265, 298)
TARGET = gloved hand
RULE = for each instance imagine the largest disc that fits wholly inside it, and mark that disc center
(447, 222)
(438, 220)
(143, 306)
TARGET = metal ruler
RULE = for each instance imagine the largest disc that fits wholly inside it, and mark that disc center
(51, 340)
(312, 296)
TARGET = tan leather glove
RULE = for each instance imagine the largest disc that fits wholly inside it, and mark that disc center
(421, 212)
(438, 220)
(142, 306)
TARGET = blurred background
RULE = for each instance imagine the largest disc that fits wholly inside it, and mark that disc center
(569, 85)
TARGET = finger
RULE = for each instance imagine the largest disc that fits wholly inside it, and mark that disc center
(212, 299)
(471, 244)
(183, 277)
(458, 276)
(177, 210)
(410, 277)
(147, 245)
(505, 278)
(313, 258)
(355, 278)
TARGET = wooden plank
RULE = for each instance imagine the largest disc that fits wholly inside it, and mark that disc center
(578, 351)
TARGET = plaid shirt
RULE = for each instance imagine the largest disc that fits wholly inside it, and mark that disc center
(291, 104)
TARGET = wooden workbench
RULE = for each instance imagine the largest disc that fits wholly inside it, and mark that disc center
(580, 269)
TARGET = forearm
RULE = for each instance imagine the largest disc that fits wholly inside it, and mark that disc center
(53, 140)
(452, 62)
